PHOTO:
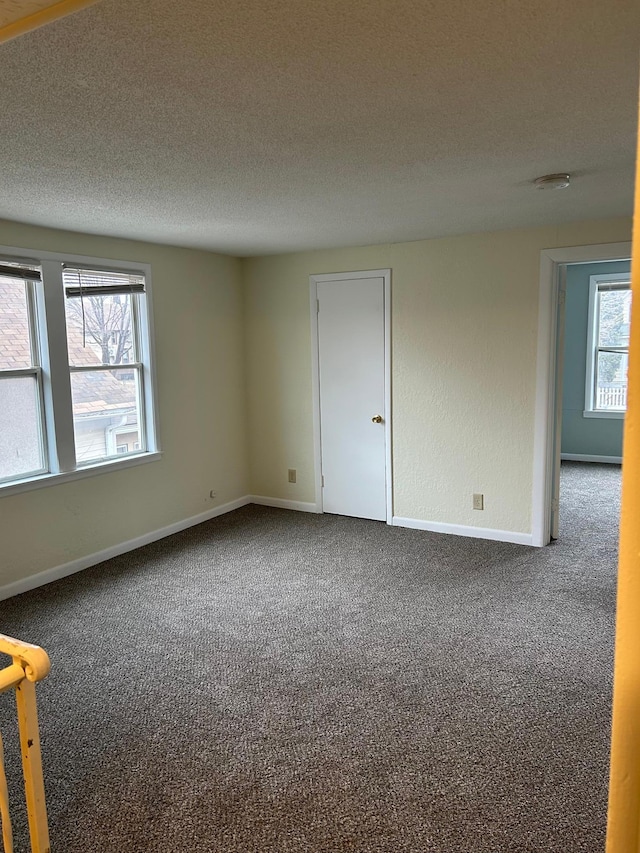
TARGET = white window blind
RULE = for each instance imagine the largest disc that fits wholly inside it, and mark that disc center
(88, 282)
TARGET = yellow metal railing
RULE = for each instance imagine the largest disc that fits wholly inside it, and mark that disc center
(29, 664)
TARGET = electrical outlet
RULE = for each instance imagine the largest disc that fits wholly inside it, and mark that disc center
(292, 475)
(478, 501)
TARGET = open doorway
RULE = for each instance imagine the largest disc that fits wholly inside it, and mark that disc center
(594, 313)
(594, 360)
(591, 390)
(554, 267)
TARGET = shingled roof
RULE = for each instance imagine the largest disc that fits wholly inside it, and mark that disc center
(15, 351)
(93, 393)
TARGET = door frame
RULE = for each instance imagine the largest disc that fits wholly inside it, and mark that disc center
(548, 403)
(314, 280)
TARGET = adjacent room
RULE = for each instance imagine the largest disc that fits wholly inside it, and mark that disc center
(285, 384)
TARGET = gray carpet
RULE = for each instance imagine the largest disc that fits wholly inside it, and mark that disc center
(277, 682)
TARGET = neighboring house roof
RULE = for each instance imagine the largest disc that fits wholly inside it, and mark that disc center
(101, 393)
(93, 393)
(15, 351)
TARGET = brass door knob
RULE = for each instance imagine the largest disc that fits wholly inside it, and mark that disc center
(376, 419)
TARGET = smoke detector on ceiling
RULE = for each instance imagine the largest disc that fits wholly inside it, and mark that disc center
(553, 182)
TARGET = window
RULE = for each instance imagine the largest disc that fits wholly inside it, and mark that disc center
(76, 389)
(22, 449)
(608, 346)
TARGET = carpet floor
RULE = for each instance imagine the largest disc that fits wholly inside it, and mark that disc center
(280, 682)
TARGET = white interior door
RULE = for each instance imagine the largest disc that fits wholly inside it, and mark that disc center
(353, 427)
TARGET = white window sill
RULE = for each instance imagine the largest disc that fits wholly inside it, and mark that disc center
(595, 413)
(40, 481)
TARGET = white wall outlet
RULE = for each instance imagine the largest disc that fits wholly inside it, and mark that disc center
(292, 475)
(478, 501)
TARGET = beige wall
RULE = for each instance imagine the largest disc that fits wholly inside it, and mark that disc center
(197, 306)
(233, 365)
(464, 336)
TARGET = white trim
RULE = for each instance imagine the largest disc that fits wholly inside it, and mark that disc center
(465, 530)
(314, 280)
(315, 386)
(387, 395)
(282, 503)
(14, 487)
(66, 569)
(17, 254)
(350, 276)
(56, 388)
(58, 399)
(603, 413)
(545, 405)
(58, 572)
(593, 333)
(592, 339)
(583, 457)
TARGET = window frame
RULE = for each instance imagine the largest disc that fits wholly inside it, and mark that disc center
(34, 370)
(136, 366)
(593, 331)
(48, 324)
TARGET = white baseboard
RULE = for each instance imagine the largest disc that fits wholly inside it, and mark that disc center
(582, 457)
(465, 530)
(282, 503)
(57, 572)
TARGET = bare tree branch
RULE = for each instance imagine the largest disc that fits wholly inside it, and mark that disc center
(107, 322)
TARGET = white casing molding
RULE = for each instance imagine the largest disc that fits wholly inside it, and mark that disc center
(314, 280)
(465, 530)
(545, 401)
(583, 457)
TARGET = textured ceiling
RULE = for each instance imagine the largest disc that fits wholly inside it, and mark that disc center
(250, 127)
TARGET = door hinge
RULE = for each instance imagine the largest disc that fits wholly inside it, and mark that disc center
(317, 306)
(323, 481)
(554, 504)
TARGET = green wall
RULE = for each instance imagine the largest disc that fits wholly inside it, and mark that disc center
(580, 435)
